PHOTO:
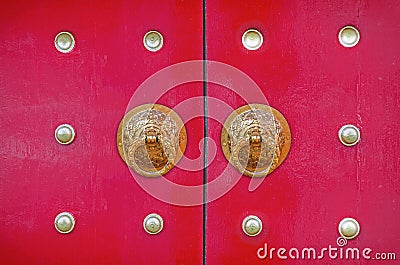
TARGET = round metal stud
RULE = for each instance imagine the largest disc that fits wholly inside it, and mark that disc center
(252, 225)
(349, 228)
(349, 36)
(349, 135)
(153, 41)
(65, 134)
(64, 42)
(252, 39)
(153, 224)
(64, 223)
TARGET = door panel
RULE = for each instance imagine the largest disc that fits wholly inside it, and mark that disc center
(301, 70)
(319, 86)
(89, 88)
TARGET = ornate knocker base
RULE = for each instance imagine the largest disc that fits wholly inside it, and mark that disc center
(151, 139)
(256, 139)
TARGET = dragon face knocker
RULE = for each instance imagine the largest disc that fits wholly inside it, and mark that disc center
(256, 139)
(151, 139)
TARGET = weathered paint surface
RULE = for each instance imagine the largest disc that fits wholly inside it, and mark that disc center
(301, 69)
(318, 85)
(88, 88)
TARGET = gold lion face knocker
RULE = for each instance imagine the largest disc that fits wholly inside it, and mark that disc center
(151, 139)
(256, 139)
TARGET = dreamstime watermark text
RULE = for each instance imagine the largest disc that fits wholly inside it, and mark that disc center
(339, 251)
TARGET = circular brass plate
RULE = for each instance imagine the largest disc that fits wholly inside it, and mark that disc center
(65, 134)
(349, 36)
(285, 138)
(153, 41)
(153, 224)
(349, 228)
(137, 121)
(252, 225)
(64, 222)
(349, 135)
(252, 39)
(64, 42)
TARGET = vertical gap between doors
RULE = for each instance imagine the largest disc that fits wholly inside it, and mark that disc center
(205, 151)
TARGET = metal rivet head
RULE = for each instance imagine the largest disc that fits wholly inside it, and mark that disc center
(153, 41)
(349, 36)
(252, 225)
(64, 42)
(65, 134)
(252, 39)
(153, 224)
(349, 135)
(64, 223)
(349, 228)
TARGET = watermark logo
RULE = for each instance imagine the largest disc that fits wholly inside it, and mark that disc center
(341, 241)
(339, 252)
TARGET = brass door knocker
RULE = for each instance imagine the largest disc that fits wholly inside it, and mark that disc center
(151, 139)
(256, 139)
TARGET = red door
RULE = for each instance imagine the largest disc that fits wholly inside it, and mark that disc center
(330, 69)
(318, 85)
(89, 88)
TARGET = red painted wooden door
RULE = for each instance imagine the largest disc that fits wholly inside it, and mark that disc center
(89, 88)
(319, 86)
(300, 69)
